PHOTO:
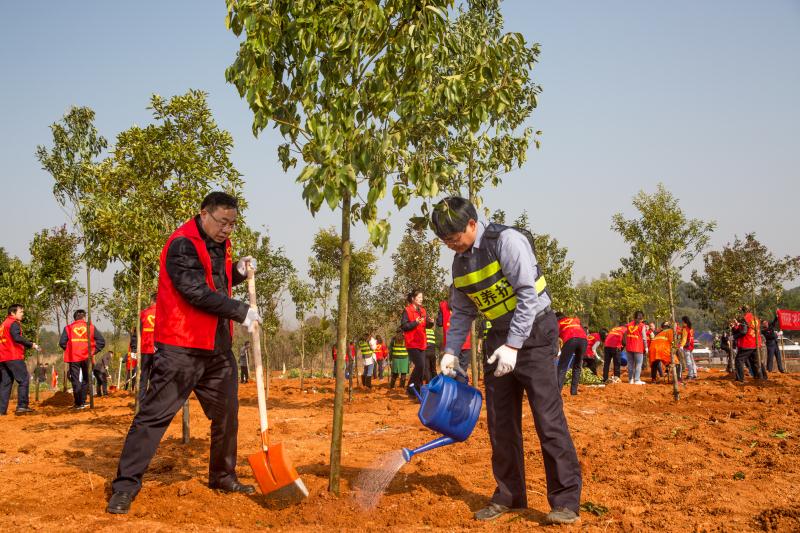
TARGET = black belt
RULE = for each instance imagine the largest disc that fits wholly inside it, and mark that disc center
(543, 312)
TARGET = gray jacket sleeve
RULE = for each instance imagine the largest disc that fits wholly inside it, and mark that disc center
(519, 267)
(463, 313)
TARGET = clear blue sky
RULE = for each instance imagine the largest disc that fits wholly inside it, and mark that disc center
(699, 95)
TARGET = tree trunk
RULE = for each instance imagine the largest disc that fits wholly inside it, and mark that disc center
(38, 362)
(136, 393)
(185, 423)
(89, 335)
(473, 360)
(341, 341)
(63, 363)
(265, 362)
(302, 356)
(674, 371)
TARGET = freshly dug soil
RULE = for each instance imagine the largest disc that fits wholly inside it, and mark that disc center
(723, 458)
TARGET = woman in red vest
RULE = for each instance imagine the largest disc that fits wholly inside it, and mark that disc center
(685, 348)
(413, 324)
(635, 339)
(194, 339)
(573, 342)
(465, 355)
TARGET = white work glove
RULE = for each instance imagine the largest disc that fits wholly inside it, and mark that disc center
(506, 358)
(449, 364)
(36, 347)
(251, 319)
(241, 266)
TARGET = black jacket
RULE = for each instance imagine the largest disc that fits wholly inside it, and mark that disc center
(189, 278)
(770, 335)
(16, 335)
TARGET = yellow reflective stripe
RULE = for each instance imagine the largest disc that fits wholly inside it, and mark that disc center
(479, 275)
(540, 285)
(499, 310)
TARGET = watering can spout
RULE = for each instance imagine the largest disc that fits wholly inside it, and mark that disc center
(436, 443)
(414, 389)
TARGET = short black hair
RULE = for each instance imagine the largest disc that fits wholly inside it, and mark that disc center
(452, 215)
(637, 315)
(153, 296)
(77, 315)
(13, 308)
(219, 199)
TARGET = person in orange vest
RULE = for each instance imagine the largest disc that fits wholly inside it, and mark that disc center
(592, 344)
(413, 324)
(195, 312)
(12, 361)
(147, 319)
(746, 332)
(465, 355)
(660, 354)
(573, 347)
(612, 346)
(635, 340)
(75, 343)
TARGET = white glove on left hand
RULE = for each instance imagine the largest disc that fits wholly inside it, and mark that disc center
(241, 266)
(251, 319)
(449, 364)
(506, 358)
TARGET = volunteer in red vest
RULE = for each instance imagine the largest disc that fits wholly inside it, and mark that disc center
(746, 332)
(573, 347)
(685, 348)
(593, 343)
(193, 336)
(413, 324)
(635, 340)
(465, 354)
(381, 354)
(496, 274)
(147, 319)
(660, 354)
(12, 361)
(75, 343)
(612, 346)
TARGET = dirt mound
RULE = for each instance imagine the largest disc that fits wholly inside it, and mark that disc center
(723, 458)
(59, 399)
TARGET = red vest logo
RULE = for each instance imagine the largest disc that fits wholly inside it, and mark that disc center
(80, 331)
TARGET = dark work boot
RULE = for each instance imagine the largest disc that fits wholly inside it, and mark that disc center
(392, 381)
(120, 503)
(369, 382)
(403, 381)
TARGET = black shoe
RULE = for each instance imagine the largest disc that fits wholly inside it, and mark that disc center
(230, 486)
(561, 516)
(120, 503)
(491, 511)
(23, 411)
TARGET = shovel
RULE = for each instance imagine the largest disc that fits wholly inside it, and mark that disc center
(272, 470)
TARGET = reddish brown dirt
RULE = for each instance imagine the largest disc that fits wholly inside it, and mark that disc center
(653, 463)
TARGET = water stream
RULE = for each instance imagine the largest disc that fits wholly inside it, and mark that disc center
(373, 481)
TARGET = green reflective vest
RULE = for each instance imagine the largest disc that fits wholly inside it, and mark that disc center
(366, 351)
(430, 333)
(399, 350)
(481, 279)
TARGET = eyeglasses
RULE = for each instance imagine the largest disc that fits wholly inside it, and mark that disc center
(451, 239)
(222, 223)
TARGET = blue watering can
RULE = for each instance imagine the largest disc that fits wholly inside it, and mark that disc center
(447, 407)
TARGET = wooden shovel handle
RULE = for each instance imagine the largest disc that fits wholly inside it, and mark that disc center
(255, 343)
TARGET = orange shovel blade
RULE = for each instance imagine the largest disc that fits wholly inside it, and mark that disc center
(272, 469)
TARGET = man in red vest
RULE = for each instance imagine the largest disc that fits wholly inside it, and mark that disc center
(12, 361)
(147, 320)
(573, 347)
(75, 343)
(193, 337)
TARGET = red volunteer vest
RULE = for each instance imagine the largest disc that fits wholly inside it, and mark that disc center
(416, 339)
(614, 337)
(635, 340)
(130, 362)
(77, 348)
(178, 322)
(690, 339)
(148, 324)
(444, 309)
(591, 340)
(750, 340)
(9, 350)
(570, 328)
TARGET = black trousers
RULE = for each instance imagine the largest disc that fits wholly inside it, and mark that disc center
(571, 357)
(101, 382)
(534, 375)
(11, 371)
(244, 374)
(173, 377)
(430, 364)
(79, 377)
(418, 372)
(611, 354)
(145, 366)
(591, 364)
(774, 352)
(656, 369)
(748, 357)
